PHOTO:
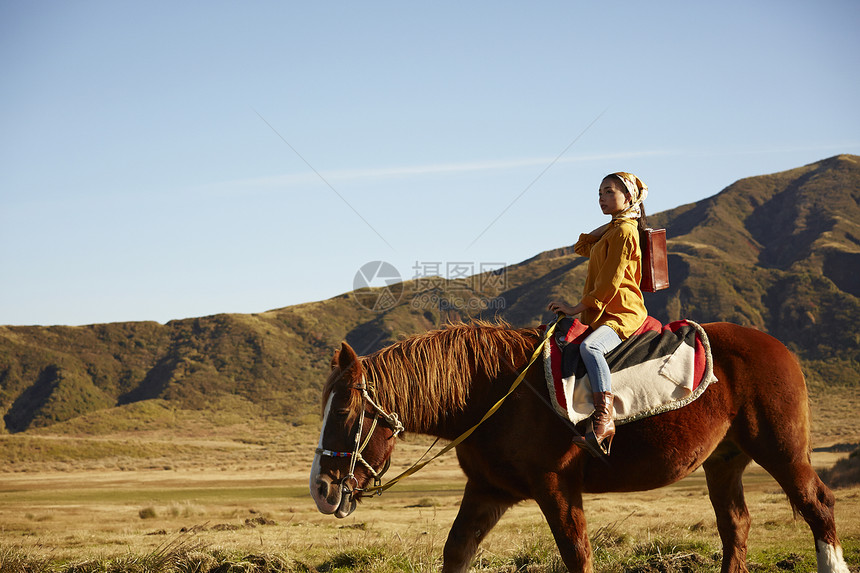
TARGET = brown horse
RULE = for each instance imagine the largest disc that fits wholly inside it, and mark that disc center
(442, 382)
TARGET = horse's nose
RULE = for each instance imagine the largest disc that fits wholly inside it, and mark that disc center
(322, 488)
(330, 496)
(325, 493)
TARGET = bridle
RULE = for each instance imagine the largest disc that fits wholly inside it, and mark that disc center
(355, 456)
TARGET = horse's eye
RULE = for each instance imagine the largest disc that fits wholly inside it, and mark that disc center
(342, 412)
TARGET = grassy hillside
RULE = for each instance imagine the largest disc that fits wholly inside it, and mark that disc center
(780, 252)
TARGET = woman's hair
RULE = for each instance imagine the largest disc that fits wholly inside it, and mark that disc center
(643, 220)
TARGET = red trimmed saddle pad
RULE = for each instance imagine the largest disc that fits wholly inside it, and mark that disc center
(659, 368)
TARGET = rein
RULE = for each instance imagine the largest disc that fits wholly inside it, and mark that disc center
(378, 487)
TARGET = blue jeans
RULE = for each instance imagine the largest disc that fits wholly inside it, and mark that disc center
(593, 351)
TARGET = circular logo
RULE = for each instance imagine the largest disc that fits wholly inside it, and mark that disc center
(377, 286)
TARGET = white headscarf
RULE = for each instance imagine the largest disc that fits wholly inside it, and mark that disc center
(637, 191)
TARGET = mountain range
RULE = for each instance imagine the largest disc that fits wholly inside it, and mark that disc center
(778, 252)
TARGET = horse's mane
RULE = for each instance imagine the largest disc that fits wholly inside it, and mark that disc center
(425, 376)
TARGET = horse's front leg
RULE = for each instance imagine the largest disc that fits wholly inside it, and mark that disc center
(480, 510)
(560, 500)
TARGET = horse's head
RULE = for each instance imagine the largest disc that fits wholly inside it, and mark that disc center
(356, 439)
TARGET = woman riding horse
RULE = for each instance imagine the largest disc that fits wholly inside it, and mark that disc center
(612, 303)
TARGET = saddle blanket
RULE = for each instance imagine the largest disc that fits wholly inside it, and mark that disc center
(657, 369)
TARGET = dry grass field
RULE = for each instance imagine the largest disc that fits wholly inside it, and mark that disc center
(228, 496)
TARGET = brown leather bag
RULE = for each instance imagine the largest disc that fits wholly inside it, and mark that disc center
(655, 264)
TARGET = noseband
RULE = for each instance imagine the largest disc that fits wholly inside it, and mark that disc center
(355, 456)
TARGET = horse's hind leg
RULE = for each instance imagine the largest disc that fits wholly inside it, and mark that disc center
(766, 392)
(724, 470)
(777, 438)
(814, 501)
(480, 510)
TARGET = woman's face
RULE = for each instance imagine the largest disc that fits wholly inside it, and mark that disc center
(613, 197)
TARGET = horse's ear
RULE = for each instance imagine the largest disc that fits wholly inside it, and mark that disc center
(346, 357)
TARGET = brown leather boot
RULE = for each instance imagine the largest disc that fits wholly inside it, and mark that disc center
(602, 421)
(601, 427)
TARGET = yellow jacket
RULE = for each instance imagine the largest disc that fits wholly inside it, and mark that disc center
(612, 295)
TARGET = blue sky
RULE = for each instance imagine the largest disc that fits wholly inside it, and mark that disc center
(163, 160)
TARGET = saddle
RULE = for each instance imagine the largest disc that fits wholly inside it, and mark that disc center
(657, 369)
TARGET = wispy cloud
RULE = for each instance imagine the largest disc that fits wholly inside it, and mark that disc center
(380, 173)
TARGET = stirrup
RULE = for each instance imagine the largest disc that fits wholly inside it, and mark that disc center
(589, 443)
(603, 446)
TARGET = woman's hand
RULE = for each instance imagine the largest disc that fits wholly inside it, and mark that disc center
(559, 306)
